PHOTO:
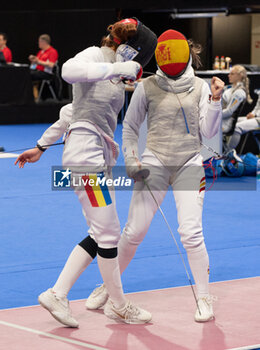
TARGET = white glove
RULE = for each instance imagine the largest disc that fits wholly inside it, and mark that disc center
(126, 70)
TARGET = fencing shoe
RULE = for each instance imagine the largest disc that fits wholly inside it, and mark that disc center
(130, 313)
(97, 298)
(58, 307)
(204, 310)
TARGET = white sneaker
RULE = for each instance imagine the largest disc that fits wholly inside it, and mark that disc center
(58, 307)
(129, 313)
(97, 298)
(204, 310)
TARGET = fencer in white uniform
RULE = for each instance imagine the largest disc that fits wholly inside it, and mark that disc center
(179, 109)
(98, 96)
(234, 96)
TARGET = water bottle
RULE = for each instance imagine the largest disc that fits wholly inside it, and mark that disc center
(222, 63)
(216, 64)
(258, 169)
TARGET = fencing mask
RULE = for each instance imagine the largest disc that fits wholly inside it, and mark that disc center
(172, 53)
(139, 48)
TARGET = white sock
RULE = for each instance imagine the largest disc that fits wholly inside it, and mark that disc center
(199, 264)
(109, 269)
(126, 252)
(77, 262)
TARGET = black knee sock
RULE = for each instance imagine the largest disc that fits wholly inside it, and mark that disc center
(107, 253)
(90, 246)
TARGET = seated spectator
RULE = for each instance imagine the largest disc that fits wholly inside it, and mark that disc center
(234, 95)
(244, 124)
(43, 63)
(3, 48)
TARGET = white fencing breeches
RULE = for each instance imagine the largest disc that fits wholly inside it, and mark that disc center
(83, 153)
(188, 188)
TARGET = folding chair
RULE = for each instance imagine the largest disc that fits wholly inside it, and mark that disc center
(54, 79)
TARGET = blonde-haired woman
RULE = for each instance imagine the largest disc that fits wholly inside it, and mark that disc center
(234, 95)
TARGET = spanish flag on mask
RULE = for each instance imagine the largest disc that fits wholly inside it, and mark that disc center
(172, 53)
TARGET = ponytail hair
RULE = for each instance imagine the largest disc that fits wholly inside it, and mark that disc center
(195, 50)
(244, 80)
(119, 33)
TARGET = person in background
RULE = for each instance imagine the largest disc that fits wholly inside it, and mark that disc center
(3, 48)
(234, 95)
(42, 64)
(244, 124)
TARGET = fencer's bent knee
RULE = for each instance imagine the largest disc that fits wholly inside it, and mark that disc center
(193, 242)
(133, 235)
(192, 238)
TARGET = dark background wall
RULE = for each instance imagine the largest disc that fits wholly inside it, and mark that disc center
(231, 36)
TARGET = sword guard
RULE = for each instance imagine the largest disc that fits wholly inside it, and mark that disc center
(141, 174)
